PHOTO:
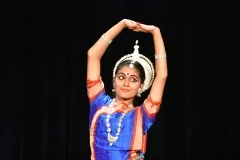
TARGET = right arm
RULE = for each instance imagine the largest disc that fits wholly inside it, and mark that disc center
(95, 87)
(96, 52)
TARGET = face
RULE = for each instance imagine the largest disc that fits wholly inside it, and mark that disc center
(126, 83)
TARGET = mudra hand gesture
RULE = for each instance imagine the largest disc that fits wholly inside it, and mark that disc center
(139, 27)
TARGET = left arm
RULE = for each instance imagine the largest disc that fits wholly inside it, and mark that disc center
(157, 88)
(158, 85)
(151, 105)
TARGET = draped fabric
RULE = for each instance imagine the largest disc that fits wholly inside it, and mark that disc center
(131, 143)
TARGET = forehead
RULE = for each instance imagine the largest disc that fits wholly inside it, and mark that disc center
(127, 70)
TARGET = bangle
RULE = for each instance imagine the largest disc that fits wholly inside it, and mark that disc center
(160, 56)
(106, 39)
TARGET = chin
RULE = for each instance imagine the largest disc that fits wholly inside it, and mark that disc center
(125, 97)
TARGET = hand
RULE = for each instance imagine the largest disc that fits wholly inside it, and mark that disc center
(130, 24)
(139, 27)
(146, 28)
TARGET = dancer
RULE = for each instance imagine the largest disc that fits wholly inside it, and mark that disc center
(118, 130)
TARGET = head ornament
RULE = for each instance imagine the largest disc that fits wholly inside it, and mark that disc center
(145, 63)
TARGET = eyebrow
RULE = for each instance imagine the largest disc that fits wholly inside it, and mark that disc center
(130, 75)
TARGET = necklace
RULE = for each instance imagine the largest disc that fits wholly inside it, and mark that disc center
(113, 139)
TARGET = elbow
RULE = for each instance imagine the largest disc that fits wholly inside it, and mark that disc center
(91, 52)
(92, 55)
(162, 75)
(165, 75)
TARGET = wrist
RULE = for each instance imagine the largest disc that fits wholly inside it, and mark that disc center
(122, 23)
(155, 31)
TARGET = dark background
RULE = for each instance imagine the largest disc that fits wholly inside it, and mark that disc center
(44, 107)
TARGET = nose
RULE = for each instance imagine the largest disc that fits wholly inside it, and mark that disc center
(126, 83)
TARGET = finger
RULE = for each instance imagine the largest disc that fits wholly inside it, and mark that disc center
(145, 27)
(136, 30)
(133, 27)
(133, 22)
(142, 25)
(141, 29)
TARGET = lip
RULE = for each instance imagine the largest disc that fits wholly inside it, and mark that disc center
(124, 90)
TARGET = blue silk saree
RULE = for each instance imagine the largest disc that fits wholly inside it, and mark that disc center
(131, 142)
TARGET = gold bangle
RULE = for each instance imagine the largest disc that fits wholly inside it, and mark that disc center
(106, 39)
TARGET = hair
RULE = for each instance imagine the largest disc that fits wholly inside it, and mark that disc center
(137, 66)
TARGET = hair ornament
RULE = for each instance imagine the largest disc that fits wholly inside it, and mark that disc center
(145, 63)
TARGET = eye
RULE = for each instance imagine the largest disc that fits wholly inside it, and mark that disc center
(121, 77)
(134, 80)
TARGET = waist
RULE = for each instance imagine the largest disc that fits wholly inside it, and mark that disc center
(116, 155)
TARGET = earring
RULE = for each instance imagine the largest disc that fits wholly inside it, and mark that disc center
(113, 90)
(139, 92)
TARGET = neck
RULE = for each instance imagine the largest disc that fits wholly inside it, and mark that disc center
(126, 101)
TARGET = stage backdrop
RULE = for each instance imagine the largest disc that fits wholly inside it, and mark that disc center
(44, 108)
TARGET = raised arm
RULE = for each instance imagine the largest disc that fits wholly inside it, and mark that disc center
(157, 88)
(96, 52)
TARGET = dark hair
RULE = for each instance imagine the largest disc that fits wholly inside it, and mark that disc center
(137, 66)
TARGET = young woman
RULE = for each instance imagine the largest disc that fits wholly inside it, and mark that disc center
(118, 130)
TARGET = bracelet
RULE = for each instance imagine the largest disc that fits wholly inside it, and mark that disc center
(160, 56)
(106, 39)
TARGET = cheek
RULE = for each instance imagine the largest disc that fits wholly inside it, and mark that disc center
(136, 86)
(117, 83)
